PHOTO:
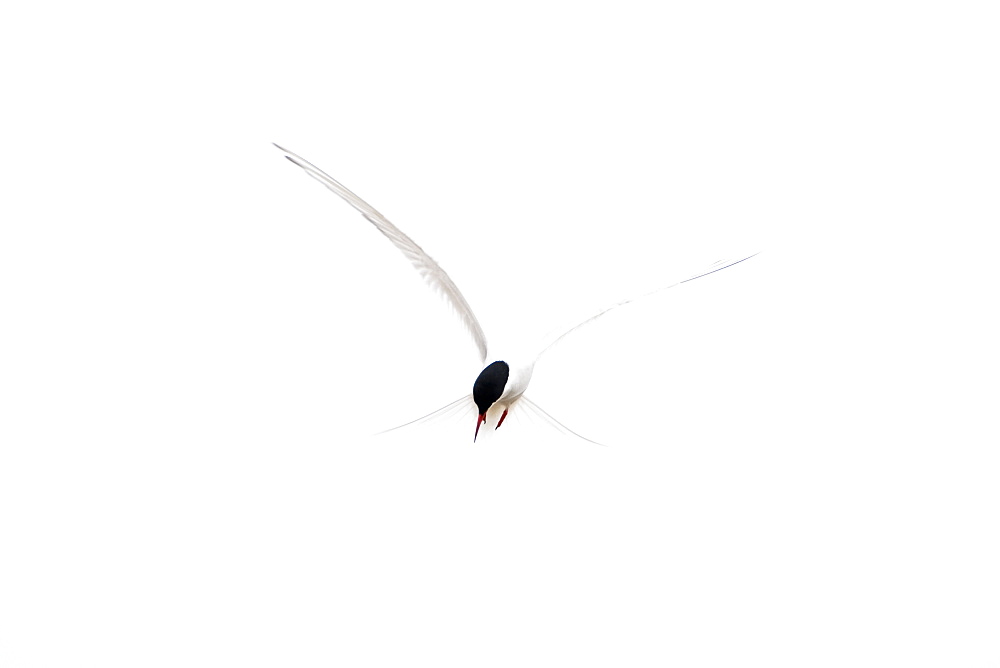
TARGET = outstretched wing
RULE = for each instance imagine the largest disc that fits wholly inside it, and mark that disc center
(718, 266)
(433, 274)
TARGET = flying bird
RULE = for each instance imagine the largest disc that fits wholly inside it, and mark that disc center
(502, 382)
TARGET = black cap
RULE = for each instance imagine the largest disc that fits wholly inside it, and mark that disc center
(489, 386)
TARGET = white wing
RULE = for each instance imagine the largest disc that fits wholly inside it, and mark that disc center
(464, 405)
(718, 266)
(433, 274)
(552, 421)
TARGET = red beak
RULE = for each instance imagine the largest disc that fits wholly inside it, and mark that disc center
(478, 423)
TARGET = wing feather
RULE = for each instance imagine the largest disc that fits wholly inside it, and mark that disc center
(552, 421)
(429, 270)
(718, 266)
(465, 404)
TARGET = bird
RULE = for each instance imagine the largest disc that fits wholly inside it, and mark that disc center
(502, 382)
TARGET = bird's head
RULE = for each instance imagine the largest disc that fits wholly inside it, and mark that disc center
(488, 388)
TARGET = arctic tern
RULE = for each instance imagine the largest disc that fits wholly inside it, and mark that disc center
(502, 382)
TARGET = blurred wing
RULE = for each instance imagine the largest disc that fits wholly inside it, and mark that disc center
(718, 266)
(462, 406)
(433, 274)
(552, 421)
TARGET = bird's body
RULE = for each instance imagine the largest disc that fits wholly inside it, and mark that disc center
(498, 387)
(503, 380)
(520, 376)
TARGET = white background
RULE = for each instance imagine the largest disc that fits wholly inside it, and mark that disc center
(199, 340)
